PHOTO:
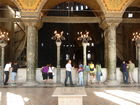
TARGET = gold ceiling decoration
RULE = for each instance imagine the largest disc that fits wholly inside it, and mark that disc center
(111, 5)
(29, 5)
(115, 5)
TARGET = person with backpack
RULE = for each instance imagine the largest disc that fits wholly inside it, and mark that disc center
(44, 71)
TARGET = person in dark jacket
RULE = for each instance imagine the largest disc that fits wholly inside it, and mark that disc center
(15, 67)
(124, 71)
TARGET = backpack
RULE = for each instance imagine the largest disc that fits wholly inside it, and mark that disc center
(87, 68)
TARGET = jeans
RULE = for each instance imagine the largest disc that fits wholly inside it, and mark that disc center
(98, 76)
(7, 76)
(81, 79)
(14, 74)
(125, 77)
(68, 74)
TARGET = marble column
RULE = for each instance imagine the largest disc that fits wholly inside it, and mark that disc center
(111, 54)
(31, 52)
(58, 44)
(2, 45)
(85, 44)
(106, 48)
(138, 52)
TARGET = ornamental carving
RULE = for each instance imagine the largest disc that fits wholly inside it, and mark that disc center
(114, 5)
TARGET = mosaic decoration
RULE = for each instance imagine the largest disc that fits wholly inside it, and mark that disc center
(111, 5)
(29, 5)
(114, 5)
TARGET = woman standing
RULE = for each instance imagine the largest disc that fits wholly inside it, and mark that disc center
(44, 71)
(50, 73)
(98, 73)
(80, 74)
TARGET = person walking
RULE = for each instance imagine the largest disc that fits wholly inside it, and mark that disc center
(131, 67)
(68, 73)
(6, 72)
(125, 72)
(15, 67)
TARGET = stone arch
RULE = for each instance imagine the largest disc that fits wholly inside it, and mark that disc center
(94, 5)
(132, 3)
(9, 3)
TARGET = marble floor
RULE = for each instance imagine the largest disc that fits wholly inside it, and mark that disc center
(95, 96)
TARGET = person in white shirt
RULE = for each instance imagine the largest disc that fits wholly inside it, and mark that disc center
(50, 73)
(68, 73)
(6, 72)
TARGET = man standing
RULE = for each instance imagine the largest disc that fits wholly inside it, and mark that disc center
(15, 67)
(125, 72)
(131, 67)
(68, 73)
(6, 72)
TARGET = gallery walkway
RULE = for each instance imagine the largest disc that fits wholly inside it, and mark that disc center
(95, 96)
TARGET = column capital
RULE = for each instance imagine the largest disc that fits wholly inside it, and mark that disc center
(58, 43)
(85, 44)
(3, 44)
(32, 19)
(138, 43)
(110, 22)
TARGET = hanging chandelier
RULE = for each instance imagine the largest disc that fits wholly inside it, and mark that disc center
(58, 36)
(84, 37)
(4, 36)
(136, 36)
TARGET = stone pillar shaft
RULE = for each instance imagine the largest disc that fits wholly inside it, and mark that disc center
(2, 62)
(2, 65)
(138, 52)
(111, 46)
(106, 48)
(58, 44)
(31, 52)
(85, 44)
(85, 53)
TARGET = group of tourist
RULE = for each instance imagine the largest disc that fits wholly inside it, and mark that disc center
(84, 70)
(13, 67)
(127, 70)
(47, 73)
(95, 72)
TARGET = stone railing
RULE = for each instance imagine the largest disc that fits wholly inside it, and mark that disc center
(21, 76)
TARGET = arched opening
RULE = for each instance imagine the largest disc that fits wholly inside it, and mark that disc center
(126, 49)
(16, 45)
(71, 48)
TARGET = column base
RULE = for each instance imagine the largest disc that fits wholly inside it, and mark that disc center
(112, 83)
(30, 83)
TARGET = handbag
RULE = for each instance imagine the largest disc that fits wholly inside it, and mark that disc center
(101, 74)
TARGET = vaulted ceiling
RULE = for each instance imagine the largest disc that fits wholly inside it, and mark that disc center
(101, 5)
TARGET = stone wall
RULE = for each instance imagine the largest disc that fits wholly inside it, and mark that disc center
(21, 77)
